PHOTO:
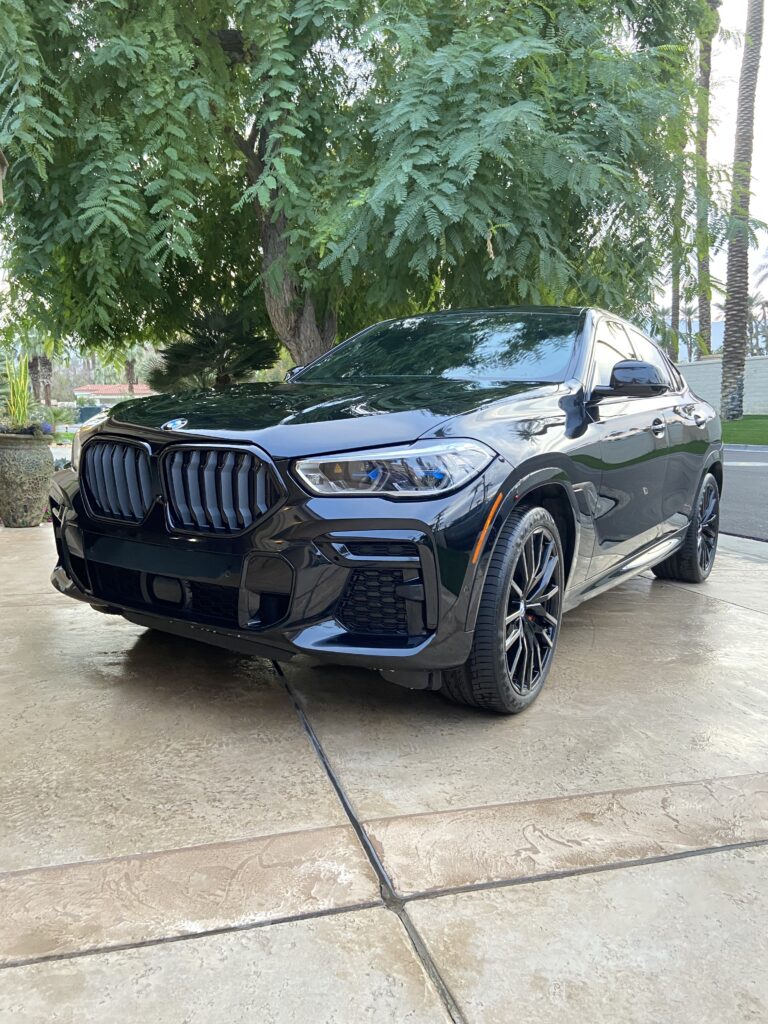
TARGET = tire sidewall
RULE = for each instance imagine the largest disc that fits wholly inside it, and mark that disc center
(707, 478)
(513, 535)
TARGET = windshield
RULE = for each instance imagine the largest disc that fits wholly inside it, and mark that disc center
(474, 346)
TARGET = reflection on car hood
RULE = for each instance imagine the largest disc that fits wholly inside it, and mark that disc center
(290, 419)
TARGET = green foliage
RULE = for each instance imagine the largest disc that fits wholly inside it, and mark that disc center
(219, 349)
(18, 399)
(337, 157)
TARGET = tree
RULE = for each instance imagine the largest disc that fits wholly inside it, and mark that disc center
(689, 313)
(762, 271)
(219, 349)
(676, 262)
(737, 272)
(757, 324)
(380, 156)
(706, 35)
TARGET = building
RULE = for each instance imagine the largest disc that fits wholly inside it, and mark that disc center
(108, 395)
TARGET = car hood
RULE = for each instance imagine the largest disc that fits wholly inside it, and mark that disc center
(295, 418)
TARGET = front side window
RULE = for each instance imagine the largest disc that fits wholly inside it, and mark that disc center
(649, 353)
(494, 346)
(611, 346)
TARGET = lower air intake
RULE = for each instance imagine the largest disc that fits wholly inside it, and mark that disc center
(371, 604)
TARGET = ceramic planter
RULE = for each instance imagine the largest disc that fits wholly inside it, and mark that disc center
(26, 468)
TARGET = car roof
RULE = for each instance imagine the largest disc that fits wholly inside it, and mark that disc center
(564, 310)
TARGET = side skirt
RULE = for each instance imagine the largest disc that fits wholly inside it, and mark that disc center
(625, 570)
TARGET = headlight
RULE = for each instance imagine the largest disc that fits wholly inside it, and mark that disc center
(83, 434)
(419, 470)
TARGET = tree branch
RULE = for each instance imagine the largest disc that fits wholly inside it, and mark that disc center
(3, 172)
(234, 45)
(254, 163)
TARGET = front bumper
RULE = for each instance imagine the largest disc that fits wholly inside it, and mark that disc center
(363, 581)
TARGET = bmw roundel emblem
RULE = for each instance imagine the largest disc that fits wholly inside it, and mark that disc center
(175, 424)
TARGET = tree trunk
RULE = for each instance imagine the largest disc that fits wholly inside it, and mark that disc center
(130, 375)
(737, 273)
(677, 245)
(306, 331)
(34, 377)
(46, 379)
(702, 179)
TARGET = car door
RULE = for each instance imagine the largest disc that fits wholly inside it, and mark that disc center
(633, 455)
(687, 419)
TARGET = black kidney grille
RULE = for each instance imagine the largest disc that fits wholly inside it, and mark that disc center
(217, 489)
(118, 480)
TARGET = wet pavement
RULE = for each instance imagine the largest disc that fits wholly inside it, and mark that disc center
(187, 836)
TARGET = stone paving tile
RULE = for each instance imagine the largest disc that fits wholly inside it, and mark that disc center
(347, 968)
(752, 550)
(130, 900)
(27, 557)
(683, 941)
(119, 741)
(736, 580)
(450, 849)
(650, 687)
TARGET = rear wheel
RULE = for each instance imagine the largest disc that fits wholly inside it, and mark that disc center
(693, 561)
(518, 620)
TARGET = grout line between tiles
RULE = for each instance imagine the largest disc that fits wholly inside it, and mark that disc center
(552, 876)
(170, 851)
(390, 898)
(690, 589)
(563, 797)
(309, 915)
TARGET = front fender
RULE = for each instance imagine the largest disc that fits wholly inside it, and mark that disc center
(516, 491)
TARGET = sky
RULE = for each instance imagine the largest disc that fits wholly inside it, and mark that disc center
(726, 65)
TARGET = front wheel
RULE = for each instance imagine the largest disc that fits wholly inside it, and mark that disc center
(693, 561)
(518, 621)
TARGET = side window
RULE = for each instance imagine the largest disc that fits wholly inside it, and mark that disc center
(649, 353)
(611, 346)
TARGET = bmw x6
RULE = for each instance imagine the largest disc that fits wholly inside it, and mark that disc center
(427, 499)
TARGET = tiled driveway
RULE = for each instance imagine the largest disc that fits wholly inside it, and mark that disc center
(187, 837)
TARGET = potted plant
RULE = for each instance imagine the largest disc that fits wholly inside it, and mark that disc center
(26, 463)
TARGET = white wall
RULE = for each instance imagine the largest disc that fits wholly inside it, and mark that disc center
(704, 378)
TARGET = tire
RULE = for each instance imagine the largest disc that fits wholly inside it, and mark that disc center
(693, 561)
(508, 664)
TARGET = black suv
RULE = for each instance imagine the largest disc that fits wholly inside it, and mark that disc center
(426, 499)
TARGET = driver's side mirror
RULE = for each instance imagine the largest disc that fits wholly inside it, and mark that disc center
(292, 372)
(632, 378)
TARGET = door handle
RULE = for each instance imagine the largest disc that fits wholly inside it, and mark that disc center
(658, 428)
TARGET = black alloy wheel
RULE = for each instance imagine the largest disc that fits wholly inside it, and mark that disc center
(693, 560)
(518, 620)
(708, 524)
(533, 610)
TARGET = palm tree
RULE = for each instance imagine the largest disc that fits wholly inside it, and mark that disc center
(704, 287)
(737, 274)
(661, 328)
(218, 348)
(762, 271)
(757, 324)
(690, 344)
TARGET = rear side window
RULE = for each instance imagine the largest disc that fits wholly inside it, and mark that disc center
(649, 353)
(611, 346)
